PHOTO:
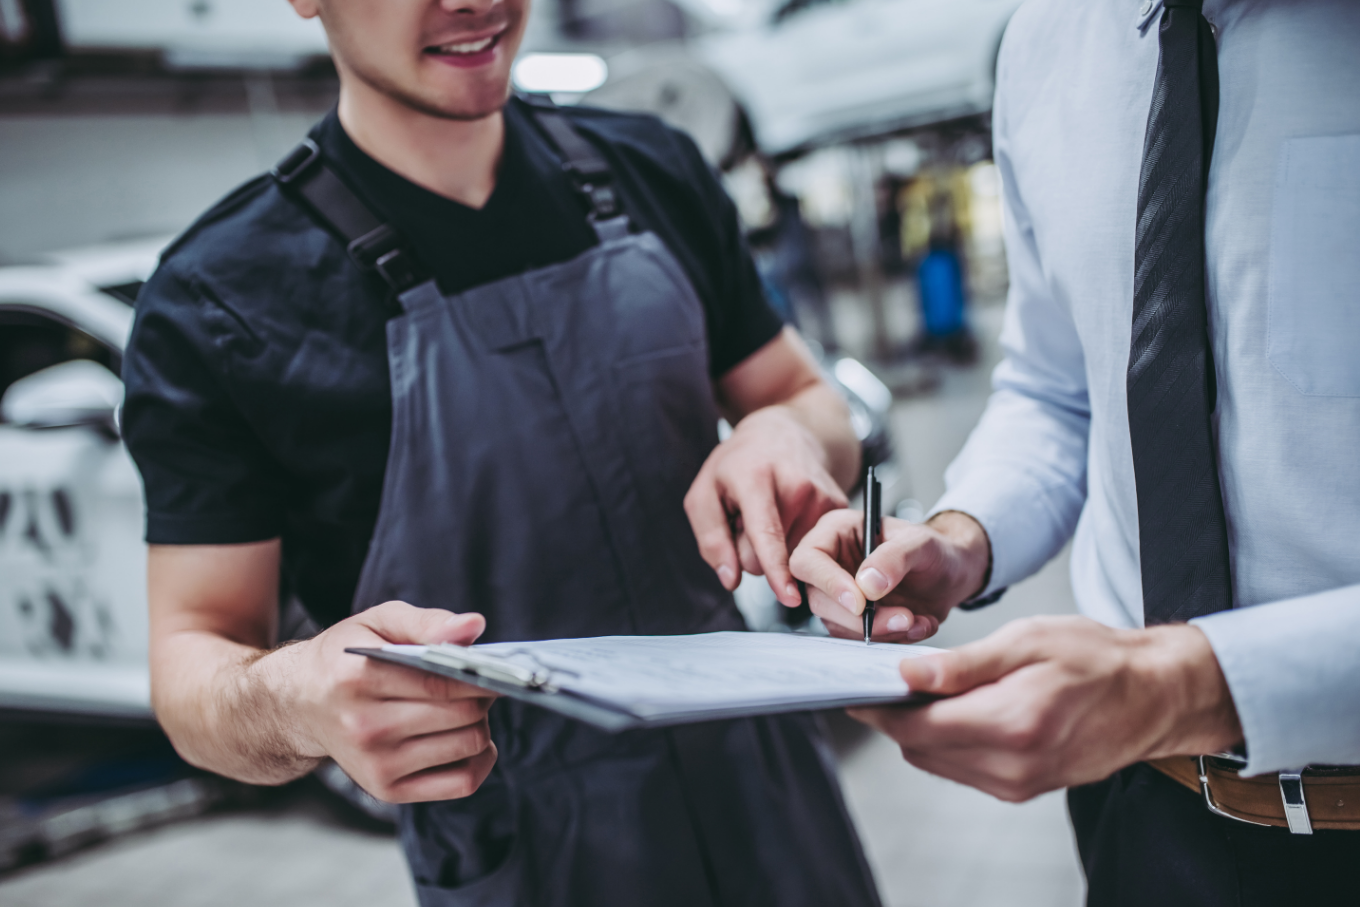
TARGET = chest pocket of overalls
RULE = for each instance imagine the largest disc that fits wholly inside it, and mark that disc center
(661, 372)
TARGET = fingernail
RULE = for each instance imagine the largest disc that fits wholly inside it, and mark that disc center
(793, 592)
(920, 630)
(847, 601)
(725, 576)
(897, 623)
(872, 581)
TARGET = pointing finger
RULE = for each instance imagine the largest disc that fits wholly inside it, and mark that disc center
(761, 525)
(747, 555)
(709, 521)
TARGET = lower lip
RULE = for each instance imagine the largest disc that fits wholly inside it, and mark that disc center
(470, 61)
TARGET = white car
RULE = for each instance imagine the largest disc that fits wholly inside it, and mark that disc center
(73, 611)
(813, 72)
(73, 620)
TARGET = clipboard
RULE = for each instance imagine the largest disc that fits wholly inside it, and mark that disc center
(537, 687)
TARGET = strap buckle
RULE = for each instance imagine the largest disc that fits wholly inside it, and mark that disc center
(381, 249)
(603, 201)
(296, 162)
(397, 268)
(592, 177)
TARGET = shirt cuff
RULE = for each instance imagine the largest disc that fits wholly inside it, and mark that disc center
(1293, 668)
(1019, 544)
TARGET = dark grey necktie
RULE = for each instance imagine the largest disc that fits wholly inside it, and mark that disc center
(1183, 538)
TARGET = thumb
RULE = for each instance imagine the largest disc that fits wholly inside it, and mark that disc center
(900, 553)
(962, 669)
(398, 622)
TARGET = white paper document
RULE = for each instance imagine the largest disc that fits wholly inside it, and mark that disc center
(657, 675)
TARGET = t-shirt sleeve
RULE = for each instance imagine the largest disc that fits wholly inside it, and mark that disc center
(741, 320)
(207, 477)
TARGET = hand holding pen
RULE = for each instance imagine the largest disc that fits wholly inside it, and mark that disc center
(874, 528)
(913, 576)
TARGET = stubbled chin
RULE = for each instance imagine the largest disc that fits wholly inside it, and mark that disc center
(470, 99)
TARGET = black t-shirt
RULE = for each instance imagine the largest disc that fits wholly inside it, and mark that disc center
(257, 377)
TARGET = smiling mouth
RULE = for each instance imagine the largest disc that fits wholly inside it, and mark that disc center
(456, 49)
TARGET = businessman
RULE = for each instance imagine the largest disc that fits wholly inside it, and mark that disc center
(1178, 397)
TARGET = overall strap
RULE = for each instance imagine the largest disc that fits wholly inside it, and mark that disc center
(585, 165)
(372, 243)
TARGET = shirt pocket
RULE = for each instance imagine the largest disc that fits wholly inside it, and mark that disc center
(1313, 292)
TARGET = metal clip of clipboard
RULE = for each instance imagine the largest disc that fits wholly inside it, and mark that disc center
(492, 667)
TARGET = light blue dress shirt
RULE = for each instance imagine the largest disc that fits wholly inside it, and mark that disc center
(1050, 460)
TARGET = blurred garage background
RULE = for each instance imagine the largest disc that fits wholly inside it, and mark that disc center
(854, 136)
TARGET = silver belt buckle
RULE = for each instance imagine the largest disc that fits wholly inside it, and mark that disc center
(1292, 795)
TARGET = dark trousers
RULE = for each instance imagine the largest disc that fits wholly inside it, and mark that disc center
(1145, 840)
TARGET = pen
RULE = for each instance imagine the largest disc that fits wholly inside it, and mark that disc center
(874, 524)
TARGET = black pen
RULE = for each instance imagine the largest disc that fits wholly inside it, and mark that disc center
(874, 525)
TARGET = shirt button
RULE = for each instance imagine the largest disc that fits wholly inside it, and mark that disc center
(1146, 7)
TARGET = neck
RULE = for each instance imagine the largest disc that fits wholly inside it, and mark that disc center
(457, 159)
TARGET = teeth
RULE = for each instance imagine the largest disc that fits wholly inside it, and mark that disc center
(470, 47)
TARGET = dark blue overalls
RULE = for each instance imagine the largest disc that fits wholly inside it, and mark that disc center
(546, 428)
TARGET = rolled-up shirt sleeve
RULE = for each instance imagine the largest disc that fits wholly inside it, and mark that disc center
(1022, 472)
(1292, 667)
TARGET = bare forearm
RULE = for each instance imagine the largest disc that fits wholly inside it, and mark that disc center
(822, 411)
(232, 705)
(225, 707)
(780, 383)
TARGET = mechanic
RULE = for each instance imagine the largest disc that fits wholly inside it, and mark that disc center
(1179, 396)
(503, 400)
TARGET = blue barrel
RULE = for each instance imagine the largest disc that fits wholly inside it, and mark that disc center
(941, 285)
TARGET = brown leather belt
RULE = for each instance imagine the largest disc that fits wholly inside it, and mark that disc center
(1316, 797)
